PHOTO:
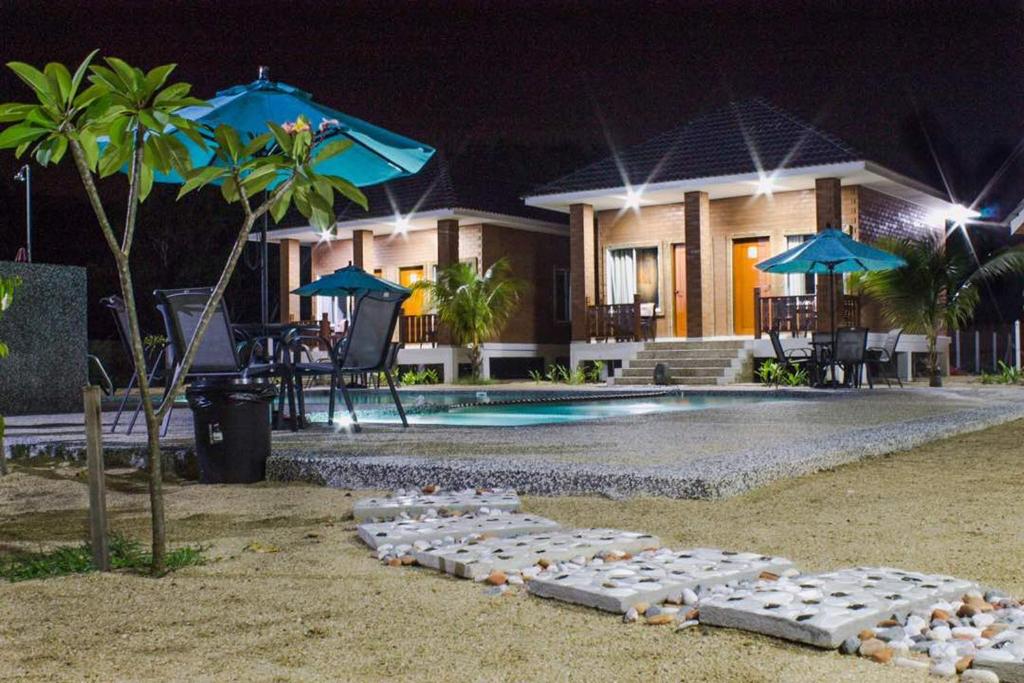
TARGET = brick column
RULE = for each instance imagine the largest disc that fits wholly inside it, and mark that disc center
(582, 275)
(700, 305)
(289, 279)
(362, 250)
(828, 209)
(447, 254)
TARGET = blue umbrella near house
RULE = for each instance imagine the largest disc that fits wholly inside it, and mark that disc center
(376, 156)
(829, 252)
(350, 281)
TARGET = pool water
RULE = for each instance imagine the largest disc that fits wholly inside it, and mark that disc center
(451, 409)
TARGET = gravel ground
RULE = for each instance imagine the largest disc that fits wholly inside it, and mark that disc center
(322, 608)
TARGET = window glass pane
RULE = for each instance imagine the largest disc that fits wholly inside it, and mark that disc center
(561, 294)
(647, 275)
(798, 284)
(621, 276)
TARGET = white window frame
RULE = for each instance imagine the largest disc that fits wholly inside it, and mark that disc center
(659, 309)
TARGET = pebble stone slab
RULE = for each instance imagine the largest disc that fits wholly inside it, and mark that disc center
(497, 524)
(825, 609)
(1005, 657)
(652, 576)
(474, 560)
(415, 503)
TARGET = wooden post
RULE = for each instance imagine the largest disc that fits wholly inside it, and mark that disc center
(1016, 346)
(3, 457)
(977, 352)
(757, 312)
(636, 318)
(97, 487)
(957, 347)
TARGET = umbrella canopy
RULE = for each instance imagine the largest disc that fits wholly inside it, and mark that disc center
(349, 281)
(377, 155)
(831, 251)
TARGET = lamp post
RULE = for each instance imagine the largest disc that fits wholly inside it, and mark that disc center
(25, 175)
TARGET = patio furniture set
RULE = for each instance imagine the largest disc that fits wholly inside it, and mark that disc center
(279, 352)
(847, 349)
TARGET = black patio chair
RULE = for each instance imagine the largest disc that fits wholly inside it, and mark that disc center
(851, 345)
(368, 348)
(793, 358)
(218, 353)
(884, 357)
(154, 357)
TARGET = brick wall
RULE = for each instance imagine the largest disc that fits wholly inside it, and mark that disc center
(534, 256)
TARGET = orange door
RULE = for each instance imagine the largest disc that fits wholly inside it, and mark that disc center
(679, 287)
(407, 277)
(745, 278)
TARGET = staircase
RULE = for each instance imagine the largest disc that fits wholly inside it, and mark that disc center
(689, 362)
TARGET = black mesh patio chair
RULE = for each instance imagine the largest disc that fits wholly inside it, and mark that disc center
(368, 348)
(154, 358)
(218, 353)
(884, 357)
(793, 358)
(851, 345)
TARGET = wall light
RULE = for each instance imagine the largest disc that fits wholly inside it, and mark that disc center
(960, 215)
(633, 199)
(402, 223)
(765, 185)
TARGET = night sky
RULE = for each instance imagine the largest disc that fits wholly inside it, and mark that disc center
(523, 92)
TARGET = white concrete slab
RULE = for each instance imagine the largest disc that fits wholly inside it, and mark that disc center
(825, 609)
(414, 503)
(1005, 655)
(476, 559)
(434, 529)
(652, 576)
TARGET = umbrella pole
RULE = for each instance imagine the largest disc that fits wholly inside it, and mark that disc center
(832, 295)
(264, 286)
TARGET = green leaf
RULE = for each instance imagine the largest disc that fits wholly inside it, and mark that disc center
(331, 150)
(16, 135)
(256, 144)
(284, 141)
(60, 146)
(255, 184)
(118, 131)
(145, 183)
(301, 145)
(90, 95)
(105, 77)
(227, 138)
(200, 178)
(113, 160)
(131, 78)
(59, 75)
(36, 80)
(172, 92)
(158, 76)
(150, 121)
(14, 111)
(76, 80)
(281, 203)
(229, 190)
(347, 190)
(90, 147)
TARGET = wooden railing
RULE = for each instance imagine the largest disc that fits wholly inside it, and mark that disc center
(615, 322)
(799, 314)
(418, 329)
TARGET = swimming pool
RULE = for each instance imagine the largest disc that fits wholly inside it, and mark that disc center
(518, 408)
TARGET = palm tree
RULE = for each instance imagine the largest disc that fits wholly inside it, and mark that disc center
(939, 287)
(474, 307)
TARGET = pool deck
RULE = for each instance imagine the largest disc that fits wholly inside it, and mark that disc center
(716, 452)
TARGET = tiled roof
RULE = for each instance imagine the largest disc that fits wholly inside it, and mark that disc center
(720, 142)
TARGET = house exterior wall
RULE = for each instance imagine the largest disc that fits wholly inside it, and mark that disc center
(775, 217)
(534, 256)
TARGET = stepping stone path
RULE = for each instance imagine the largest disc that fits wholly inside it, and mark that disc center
(427, 530)
(477, 559)
(413, 503)
(651, 577)
(825, 610)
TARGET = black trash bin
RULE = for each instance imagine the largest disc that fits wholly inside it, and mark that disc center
(232, 426)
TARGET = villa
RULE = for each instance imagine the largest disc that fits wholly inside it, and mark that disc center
(664, 237)
(416, 225)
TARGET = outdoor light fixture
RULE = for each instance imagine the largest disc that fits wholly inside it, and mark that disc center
(24, 174)
(765, 185)
(633, 199)
(401, 223)
(959, 215)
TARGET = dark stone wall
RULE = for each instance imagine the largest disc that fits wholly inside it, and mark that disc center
(45, 329)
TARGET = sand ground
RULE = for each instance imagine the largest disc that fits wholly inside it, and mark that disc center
(323, 609)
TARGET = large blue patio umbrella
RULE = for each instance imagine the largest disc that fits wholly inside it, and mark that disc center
(376, 156)
(829, 252)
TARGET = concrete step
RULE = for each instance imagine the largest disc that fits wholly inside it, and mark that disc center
(681, 381)
(725, 345)
(715, 363)
(686, 354)
(674, 372)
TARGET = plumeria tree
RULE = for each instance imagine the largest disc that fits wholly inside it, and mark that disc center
(114, 117)
(474, 307)
(7, 287)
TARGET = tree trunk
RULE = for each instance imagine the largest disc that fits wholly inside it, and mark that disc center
(474, 360)
(3, 457)
(934, 375)
(156, 493)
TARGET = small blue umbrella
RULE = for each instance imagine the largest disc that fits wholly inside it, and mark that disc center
(829, 252)
(350, 281)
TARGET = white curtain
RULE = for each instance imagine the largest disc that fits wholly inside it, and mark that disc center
(798, 284)
(621, 276)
